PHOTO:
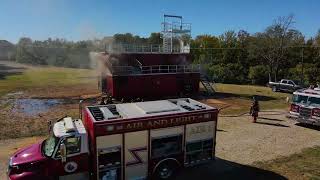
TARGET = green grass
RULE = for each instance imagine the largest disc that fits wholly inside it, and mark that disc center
(304, 165)
(240, 97)
(42, 77)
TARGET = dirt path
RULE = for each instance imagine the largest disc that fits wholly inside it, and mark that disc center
(239, 144)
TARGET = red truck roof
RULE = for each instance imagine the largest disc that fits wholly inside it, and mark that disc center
(119, 118)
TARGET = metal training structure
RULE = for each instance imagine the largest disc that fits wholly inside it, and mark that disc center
(153, 71)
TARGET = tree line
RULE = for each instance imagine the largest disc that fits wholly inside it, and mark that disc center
(280, 51)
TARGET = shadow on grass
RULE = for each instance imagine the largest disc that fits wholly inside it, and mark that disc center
(271, 119)
(309, 126)
(222, 95)
(6, 70)
(271, 124)
(223, 169)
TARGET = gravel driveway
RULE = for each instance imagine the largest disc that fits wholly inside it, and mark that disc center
(240, 141)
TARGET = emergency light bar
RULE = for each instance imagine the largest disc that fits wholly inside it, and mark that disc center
(68, 124)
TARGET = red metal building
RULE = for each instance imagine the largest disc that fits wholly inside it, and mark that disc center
(153, 71)
(149, 75)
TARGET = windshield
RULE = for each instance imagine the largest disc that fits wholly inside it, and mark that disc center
(49, 145)
(314, 100)
(299, 99)
(306, 100)
(296, 82)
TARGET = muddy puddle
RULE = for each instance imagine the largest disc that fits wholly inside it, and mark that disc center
(33, 107)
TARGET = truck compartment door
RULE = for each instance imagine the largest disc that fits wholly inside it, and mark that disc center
(109, 163)
(136, 155)
(199, 142)
(109, 157)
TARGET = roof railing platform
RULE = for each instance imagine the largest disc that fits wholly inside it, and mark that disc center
(136, 48)
(155, 69)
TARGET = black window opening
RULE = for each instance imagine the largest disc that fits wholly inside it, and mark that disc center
(73, 145)
(199, 151)
(166, 146)
(110, 159)
(109, 164)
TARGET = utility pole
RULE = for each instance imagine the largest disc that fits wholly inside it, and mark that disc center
(302, 68)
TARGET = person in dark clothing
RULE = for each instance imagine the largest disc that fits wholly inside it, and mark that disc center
(254, 110)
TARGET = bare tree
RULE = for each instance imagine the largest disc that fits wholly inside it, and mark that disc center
(272, 44)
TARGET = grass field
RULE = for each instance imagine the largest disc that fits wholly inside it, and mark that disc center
(40, 82)
(66, 83)
(304, 165)
(238, 98)
(44, 77)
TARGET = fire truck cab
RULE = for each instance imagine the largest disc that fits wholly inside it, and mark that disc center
(123, 141)
(305, 106)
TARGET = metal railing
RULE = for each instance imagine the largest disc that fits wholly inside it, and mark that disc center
(135, 48)
(156, 69)
(176, 27)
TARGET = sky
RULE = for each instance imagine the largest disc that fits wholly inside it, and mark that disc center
(84, 19)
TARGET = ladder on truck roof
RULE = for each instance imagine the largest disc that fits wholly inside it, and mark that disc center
(207, 84)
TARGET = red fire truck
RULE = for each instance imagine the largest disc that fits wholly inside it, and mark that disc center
(305, 106)
(122, 141)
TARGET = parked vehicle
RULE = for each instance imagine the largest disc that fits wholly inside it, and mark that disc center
(285, 85)
(122, 141)
(305, 106)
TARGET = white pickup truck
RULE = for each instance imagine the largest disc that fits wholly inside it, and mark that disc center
(285, 85)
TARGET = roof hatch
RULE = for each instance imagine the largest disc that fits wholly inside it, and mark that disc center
(152, 107)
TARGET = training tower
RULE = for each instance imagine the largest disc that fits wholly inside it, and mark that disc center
(155, 70)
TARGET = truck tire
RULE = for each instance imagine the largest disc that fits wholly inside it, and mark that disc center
(274, 89)
(166, 170)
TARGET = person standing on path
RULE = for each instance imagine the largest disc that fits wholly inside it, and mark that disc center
(254, 110)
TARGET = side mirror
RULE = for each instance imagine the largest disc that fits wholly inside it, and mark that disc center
(63, 152)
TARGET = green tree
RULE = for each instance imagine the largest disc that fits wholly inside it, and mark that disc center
(258, 74)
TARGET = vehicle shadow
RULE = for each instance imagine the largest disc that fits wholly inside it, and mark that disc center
(223, 169)
(309, 126)
(271, 124)
(221, 130)
(271, 119)
(222, 95)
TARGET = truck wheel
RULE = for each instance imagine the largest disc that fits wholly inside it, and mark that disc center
(166, 170)
(274, 88)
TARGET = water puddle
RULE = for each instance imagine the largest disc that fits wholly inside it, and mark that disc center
(33, 107)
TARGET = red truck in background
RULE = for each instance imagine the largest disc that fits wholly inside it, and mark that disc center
(122, 141)
(305, 106)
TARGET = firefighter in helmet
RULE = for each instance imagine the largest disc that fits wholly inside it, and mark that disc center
(254, 110)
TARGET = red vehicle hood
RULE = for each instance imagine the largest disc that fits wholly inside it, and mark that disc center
(28, 154)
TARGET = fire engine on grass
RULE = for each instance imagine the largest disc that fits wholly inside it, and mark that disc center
(305, 106)
(122, 141)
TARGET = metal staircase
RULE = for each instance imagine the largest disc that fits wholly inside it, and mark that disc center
(207, 84)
